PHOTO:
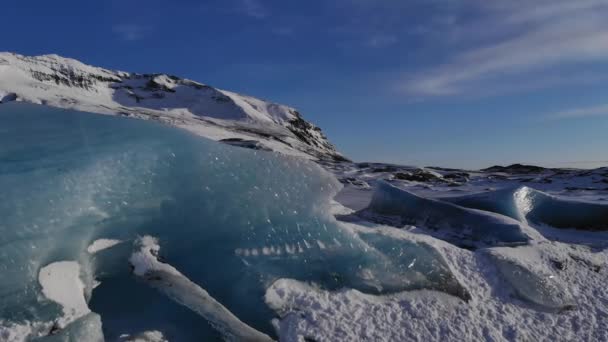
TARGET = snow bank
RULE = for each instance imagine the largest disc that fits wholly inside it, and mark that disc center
(494, 312)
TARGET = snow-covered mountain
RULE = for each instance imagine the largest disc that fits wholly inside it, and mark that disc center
(207, 111)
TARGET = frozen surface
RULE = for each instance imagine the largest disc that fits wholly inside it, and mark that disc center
(231, 220)
(101, 244)
(60, 282)
(523, 269)
(527, 204)
(495, 312)
(240, 242)
(87, 328)
(146, 336)
(179, 288)
(461, 225)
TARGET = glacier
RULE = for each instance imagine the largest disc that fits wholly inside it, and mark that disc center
(120, 229)
(85, 188)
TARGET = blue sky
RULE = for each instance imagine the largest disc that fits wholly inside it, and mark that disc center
(461, 83)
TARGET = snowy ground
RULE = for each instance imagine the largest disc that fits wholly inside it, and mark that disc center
(546, 290)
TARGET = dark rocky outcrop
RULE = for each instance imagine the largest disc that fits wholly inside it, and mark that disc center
(516, 169)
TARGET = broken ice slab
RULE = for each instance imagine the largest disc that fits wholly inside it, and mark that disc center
(530, 205)
(87, 328)
(531, 279)
(418, 262)
(455, 224)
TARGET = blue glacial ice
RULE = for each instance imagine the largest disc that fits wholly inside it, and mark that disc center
(459, 225)
(230, 220)
(529, 205)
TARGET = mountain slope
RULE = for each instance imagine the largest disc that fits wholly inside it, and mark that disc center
(210, 112)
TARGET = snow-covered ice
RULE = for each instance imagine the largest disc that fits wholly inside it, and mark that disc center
(146, 336)
(101, 244)
(60, 282)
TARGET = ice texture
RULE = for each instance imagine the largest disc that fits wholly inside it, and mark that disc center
(531, 282)
(231, 220)
(101, 244)
(530, 205)
(179, 288)
(87, 328)
(60, 282)
(462, 226)
(248, 236)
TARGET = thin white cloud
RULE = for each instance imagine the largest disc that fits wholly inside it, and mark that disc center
(600, 110)
(253, 8)
(381, 40)
(528, 36)
(130, 32)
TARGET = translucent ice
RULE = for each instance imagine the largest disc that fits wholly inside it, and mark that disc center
(231, 220)
(530, 205)
(459, 225)
(531, 281)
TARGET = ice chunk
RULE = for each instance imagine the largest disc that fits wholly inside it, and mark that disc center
(87, 328)
(179, 288)
(101, 244)
(530, 205)
(499, 201)
(146, 336)
(61, 283)
(12, 332)
(409, 265)
(459, 225)
(530, 280)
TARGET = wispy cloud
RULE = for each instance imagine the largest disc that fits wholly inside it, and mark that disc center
(253, 8)
(381, 40)
(514, 37)
(599, 110)
(130, 32)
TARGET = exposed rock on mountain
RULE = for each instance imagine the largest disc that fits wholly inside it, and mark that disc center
(207, 111)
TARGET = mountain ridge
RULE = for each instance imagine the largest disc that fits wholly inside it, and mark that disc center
(207, 111)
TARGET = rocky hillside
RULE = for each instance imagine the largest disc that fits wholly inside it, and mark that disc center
(207, 111)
